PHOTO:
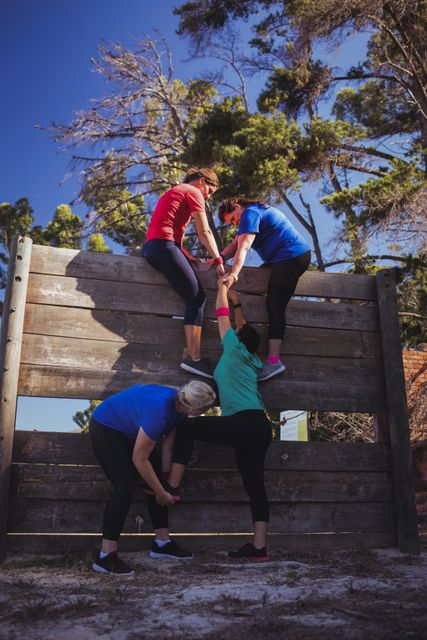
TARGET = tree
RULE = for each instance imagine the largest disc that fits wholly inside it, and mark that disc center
(66, 230)
(393, 101)
(138, 132)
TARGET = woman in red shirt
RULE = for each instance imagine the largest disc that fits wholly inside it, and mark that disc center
(163, 250)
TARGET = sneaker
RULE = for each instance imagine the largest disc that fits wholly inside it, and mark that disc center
(112, 564)
(269, 370)
(169, 550)
(200, 367)
(174, 491)
(249, 552)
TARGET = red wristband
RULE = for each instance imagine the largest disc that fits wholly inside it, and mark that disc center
(222, 311)
(218, 260)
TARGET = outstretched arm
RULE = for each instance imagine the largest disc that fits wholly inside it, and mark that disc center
(239, 318)
(206, 237)
(244, 243)
(224, 323)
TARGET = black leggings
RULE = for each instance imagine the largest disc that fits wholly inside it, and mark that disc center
(114, 453)
(249, 432)
(167, 257)
(284, 276)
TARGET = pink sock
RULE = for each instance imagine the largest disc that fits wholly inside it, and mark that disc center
(273, 359)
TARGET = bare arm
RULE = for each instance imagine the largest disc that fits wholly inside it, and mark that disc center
(141, 452)
(244, 243)
(224, 323)
(239, 318)
(167, 449)
(206, 237)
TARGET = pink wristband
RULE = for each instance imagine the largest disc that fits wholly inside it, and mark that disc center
(222, 311)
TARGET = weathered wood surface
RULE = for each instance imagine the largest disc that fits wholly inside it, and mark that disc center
(126, 326)
(62, 516)
(397, 411)
(98, 354)
(146, 298)
(75, 448)
(10, 353)
(65, 382)
(134, 269)
(62, 543)
(74, 482)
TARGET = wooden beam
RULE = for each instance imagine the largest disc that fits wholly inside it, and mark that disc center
(95, 384)
(63, 543)
(397, 411)
(46, 447)
(134, 269)
(10, 357)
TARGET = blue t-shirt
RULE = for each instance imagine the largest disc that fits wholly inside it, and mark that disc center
(236, 377)
(149, 406)
(276, 239)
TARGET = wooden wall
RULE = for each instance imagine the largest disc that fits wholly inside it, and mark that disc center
(88, 325)
(322, 494)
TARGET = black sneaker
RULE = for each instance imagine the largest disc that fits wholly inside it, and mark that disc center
(112, 564)
(200, 367)
(249, 552)
(174, 491)
(169, 550)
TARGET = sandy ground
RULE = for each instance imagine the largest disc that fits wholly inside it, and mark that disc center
(299, 595)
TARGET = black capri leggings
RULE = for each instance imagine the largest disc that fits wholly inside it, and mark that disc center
(167, 257)
(284, 276)
(114, 453)
(249, 432)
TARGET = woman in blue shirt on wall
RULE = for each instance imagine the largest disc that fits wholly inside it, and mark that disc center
(123, 431)
(282, 250)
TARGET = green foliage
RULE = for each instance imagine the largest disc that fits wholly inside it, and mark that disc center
(82, 418)
(379, 198)
(96, 242)
(412, 292)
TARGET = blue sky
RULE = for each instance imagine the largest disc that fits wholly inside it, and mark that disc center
(45, 52)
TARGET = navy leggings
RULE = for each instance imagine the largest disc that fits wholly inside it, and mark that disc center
(284, 276)
(166, 256)
(114, 453)
(249, 432)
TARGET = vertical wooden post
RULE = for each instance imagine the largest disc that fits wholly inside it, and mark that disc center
(397, 411)
(10, 357)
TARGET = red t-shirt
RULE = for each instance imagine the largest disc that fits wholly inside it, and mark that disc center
(173, 212)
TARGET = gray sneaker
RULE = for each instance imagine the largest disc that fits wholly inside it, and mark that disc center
(200, 367)
(269, 370)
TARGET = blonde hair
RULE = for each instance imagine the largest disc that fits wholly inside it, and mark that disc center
(194, 173)
(196, 396)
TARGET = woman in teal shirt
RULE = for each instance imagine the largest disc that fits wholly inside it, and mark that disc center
(243, 424)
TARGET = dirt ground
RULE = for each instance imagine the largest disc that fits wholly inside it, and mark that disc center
(297, 595)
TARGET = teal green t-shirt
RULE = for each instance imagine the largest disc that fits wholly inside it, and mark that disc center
(236, 377)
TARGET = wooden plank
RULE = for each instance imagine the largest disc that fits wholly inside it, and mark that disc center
(59, 516)
(10, 356)
(75, 448)
(397, 411)
(134, 269)
(100, 354)
(94, 384)
(104, 295)
(75, 482)
(120, 325)
(62, 543)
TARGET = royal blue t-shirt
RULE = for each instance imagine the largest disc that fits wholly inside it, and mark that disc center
(149, 406)
(276, 239)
